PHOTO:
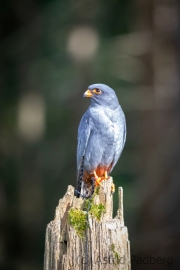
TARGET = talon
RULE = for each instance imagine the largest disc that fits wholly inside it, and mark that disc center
(95, 175)
(105, 177)
(112, 188)
(98, 180)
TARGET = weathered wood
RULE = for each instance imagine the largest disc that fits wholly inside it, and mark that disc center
(106, 245)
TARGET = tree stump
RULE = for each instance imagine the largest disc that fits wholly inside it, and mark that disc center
(97, 244)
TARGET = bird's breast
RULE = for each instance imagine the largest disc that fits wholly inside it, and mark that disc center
(104, 141)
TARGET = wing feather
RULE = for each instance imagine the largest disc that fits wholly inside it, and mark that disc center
(84, 132)
(121, 143)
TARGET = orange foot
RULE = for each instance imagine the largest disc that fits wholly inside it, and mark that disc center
(98, 180)
(105, 177)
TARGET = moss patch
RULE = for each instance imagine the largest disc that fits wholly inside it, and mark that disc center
(96, 191)
(77, 219)
(117, 257)
(96, 210)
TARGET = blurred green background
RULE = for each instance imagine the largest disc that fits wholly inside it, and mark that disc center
(50, 51)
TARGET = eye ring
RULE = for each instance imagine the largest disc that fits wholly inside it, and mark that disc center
(97, 91)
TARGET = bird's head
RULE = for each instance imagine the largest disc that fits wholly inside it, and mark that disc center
(102, 94)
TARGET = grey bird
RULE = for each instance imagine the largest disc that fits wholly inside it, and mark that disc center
(101, 138)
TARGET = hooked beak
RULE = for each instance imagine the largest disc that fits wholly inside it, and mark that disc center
(88, 94)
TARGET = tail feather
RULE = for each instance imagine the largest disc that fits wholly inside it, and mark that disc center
(80, 177)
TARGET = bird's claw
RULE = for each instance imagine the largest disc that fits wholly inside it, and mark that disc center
(112, 188)
(98, 180)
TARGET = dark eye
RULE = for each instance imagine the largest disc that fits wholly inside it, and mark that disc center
(98, 90)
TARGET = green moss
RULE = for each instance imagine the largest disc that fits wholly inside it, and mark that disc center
(113, 247)
(117, 257)
(87, 204)
(77, 219)
(97, 189)
(96, 210)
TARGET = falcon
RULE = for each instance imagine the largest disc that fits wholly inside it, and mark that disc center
(101, 138)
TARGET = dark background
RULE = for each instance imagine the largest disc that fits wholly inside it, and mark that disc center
(50, 51)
